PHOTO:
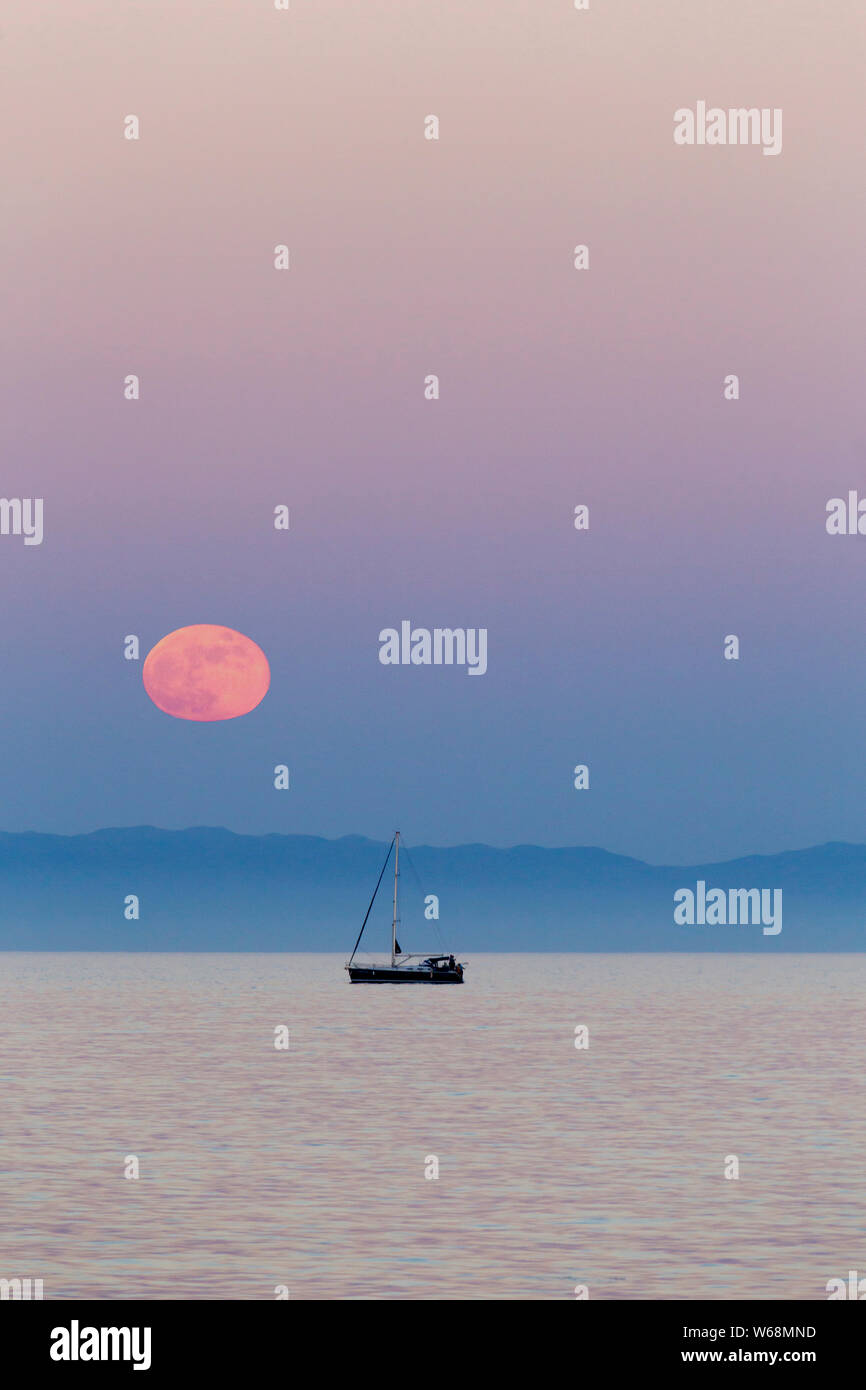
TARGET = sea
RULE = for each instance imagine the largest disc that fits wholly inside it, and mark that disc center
(203, 1126)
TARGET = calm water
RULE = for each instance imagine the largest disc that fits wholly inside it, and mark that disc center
(557, 1167)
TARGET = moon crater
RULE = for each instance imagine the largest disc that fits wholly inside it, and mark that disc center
(205, 672)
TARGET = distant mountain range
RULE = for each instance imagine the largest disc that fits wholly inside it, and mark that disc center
(212, 890)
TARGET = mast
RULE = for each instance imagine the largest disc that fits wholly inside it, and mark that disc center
(394, 920)
(370, 908)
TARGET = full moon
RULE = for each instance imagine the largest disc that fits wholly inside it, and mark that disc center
(206, 672)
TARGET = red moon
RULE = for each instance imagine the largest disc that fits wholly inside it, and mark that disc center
(206, 672)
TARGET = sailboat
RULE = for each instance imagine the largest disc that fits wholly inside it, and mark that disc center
(429, 970)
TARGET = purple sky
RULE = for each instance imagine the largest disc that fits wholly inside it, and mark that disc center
(558, 387)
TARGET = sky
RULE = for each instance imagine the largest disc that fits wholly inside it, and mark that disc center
(558, 387)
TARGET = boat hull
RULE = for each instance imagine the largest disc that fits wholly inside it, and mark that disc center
(402, 975)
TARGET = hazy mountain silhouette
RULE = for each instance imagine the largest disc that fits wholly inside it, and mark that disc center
(212, 890)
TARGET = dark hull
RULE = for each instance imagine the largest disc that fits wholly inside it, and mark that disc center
(385, 975)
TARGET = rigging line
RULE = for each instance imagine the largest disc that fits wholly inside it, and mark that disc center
(411, 863)
(372, 900)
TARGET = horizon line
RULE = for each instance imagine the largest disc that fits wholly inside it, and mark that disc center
(468, 844)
